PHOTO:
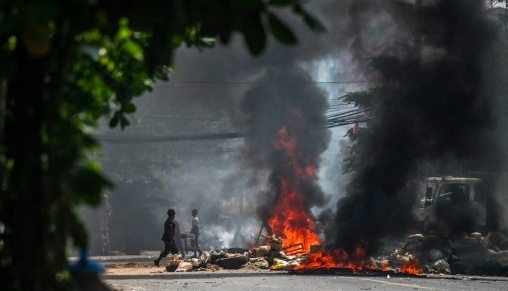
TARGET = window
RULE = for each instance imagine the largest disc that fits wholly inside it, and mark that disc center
(453, 193)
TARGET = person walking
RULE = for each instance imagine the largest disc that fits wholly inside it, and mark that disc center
(178, 238)
(170, 230)
(195, 231)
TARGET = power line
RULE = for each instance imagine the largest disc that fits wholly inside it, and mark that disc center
(343, 119)
(181, 84)
(144, 138)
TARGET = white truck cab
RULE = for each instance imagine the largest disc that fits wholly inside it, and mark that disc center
(453, 196)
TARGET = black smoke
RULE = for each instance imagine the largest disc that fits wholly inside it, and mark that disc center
(434, 103)
(220, 83)
(286, 99)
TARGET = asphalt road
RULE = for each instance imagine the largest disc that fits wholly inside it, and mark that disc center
(292, 282)
(286, 281)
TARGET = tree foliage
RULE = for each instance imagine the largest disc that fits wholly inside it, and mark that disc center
(63, 65)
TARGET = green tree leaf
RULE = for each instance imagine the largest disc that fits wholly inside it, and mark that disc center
(281, 3)
(280, 30)
(254, 34)
(129, 108)
(310, 20)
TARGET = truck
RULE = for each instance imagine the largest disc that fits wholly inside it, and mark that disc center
(451, 203)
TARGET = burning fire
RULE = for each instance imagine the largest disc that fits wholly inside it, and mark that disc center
(290, 217)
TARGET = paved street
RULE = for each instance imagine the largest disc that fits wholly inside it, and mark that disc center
(291, 282)
(156, 279)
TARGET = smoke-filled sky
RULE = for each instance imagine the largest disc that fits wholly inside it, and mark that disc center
(444, 106)
(436, 103)
(210, 92)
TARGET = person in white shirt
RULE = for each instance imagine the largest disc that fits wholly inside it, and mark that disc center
(195, 231)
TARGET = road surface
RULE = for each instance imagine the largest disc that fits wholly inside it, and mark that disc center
(290, 282)
(137, 273)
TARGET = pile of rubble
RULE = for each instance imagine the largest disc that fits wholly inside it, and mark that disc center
(470, 254)
(231, 259)
(271, 256)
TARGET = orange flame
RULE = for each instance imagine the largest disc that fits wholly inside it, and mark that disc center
(413, 267)
(290, 218)
(339, 259)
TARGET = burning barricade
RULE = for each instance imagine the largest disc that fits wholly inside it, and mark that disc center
(418, 254)
(469, 254)
(276, 256)
(291, 258)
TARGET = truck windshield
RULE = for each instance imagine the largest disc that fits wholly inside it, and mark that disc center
(453, 193)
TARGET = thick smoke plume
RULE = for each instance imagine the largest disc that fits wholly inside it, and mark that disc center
(226, 83)
(434, 103)
(292, 103)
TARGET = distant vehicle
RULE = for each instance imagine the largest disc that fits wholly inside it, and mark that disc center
(444, 200)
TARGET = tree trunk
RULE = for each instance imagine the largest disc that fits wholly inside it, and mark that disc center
(26, 198)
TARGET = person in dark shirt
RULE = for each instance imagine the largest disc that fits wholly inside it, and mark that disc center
(170, 229)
